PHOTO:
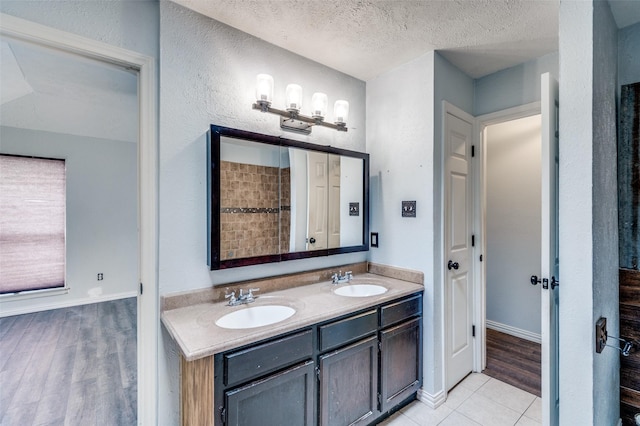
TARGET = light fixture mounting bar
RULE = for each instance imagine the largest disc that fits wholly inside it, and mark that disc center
(297, 122)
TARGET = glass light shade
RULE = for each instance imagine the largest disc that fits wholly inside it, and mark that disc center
(319, 104)
(264, 88)
(341, 112)
(294, 97)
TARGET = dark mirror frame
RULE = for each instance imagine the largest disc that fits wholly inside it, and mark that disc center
(213, 197)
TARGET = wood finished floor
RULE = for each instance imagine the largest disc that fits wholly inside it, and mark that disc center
(71, 366)
(514, 361)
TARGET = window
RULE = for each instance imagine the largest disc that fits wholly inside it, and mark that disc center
(32, 223)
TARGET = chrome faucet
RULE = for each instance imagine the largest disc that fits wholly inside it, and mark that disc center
(242, 298)
(338, 278)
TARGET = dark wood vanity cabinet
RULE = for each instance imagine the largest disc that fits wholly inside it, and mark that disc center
(284, 398)
(352, 370)
(400, 351)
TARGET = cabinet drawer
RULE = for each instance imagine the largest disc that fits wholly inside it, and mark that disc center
(253, 362)
(396, 312)
(347, 330)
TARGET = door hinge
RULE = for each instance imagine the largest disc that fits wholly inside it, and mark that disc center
(379, 399)
(473, 150)
(318, 373)
(473, 241)
(141, 289)
(223, 415)
(480, 258)
(473, 331)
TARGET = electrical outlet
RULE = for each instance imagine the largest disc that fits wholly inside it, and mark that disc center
(601, 334)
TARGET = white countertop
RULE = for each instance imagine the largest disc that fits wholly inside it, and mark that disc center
(194, 330)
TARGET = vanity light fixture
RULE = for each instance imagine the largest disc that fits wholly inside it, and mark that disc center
(290, 117)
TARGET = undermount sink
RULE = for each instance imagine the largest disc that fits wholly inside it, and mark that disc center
(255, 316)
(360, 290)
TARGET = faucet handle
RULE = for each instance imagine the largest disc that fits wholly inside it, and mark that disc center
(231, 297)
(251, 290)
(349, 275)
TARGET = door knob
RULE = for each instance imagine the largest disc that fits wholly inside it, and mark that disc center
(453, 265)
(554, 283)
(312, 240)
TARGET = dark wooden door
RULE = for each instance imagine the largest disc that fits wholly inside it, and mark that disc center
(285, 398)
(349, 384)
(400, 362)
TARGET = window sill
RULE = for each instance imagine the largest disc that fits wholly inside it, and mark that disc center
(34, 294)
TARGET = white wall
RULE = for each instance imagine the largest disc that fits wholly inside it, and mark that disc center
(589, 382)
(513, 222)
(208, 75)
(515, 86)
(101, 215)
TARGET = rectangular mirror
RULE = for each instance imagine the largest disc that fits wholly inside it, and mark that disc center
(272, 199)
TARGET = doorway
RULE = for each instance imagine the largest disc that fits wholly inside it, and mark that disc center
(512, 220)
(144, 68)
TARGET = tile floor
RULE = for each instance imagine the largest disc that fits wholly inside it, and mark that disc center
(477, 400)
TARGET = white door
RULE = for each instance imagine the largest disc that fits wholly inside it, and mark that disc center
(549, 248)
(458, 251)
(317, 201)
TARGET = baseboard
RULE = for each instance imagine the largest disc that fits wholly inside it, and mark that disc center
(433, 401)
(67, 304)
(513, 331)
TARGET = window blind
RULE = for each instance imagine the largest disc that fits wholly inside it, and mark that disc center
(32, 223)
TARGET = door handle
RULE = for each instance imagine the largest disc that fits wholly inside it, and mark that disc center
(554, 283)
(453, 265)
(535, 280)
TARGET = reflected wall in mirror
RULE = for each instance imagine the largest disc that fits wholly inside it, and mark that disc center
(273, 199)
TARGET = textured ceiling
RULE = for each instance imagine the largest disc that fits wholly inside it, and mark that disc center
(365, 38)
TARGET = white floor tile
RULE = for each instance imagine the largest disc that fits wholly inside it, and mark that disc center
(474, 381)
(457, 396)
(535, 410)
(526, 421)
(457, 419)
(488, 412)
(507, 395)
(424, 415)
(398, 419)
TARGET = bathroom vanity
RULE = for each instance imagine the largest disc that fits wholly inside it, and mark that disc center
(338, 360)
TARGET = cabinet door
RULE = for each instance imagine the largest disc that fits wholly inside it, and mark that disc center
(349, 384)
(400, 362)
(285, 398)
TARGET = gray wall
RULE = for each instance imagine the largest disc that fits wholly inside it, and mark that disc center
(605, 213)
(588, 217)
(513, 184)
(513, 86)
(102, 214)
(208, 76)
(402, 169)
(406, 164)
(132, 25)
(628, 57)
